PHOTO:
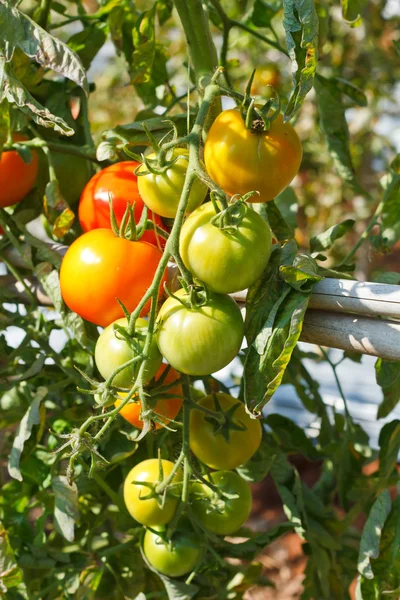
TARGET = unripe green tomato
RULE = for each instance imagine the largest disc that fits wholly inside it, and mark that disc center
(148, 511)
(229, 513)
(227, 260)
(209, 442)
(203, 340)
(112, 351)
(162, 192)
(173, 559)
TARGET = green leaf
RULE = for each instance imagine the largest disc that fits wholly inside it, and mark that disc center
(351, 10)
(10, 573)
(258, 467)
(389, 443)
(390, 214)
(291, 437)
(287, 204)
(30, 418)
(303, 274)
(325, 240)
(390, 277)
(15, 93)
(388, 378)
(352, 91)
(371, 535)
(334, 126)
(19, 31)
(66, 511)
(385, 582)
(280, 227)
(301, 26)
(264, 11)
(87, 43)
(57, 210)
(50, 281)
(164, 10)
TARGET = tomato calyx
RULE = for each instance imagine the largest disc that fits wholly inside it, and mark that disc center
(129, 229)
(196, 294)
(230, 218)
(229, 423)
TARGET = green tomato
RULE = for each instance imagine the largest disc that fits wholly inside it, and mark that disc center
(222, 516)
(217, 448)
(162, 192)
(112, 350)
(173, 559)
(199, 341)
(226, 260)
(147, 511)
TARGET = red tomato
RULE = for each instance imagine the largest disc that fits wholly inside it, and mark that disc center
(99, 267)
(16, 177)
(120, 182)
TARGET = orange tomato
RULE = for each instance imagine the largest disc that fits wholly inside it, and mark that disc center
(167, 404)
(16, 177)
(120, 182)
(99, 267)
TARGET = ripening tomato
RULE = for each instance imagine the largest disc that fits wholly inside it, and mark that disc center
(147, 510)
(16, 177)
(120, 182)
(222, 515)
(166, 403)
(217, 447)
(269, 75)
(241, 161)
(172, 558)
(99, 267)
(162, 192)
(203, 340)
(113, 350)
(226, 260)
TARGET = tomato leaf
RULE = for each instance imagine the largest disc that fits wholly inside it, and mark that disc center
(30, 418)
(389, 443)
(11, 575)
(87, 43)
(291, 437)
(390, 214)
(351, 10)
(301, 26)
(334, 126)
(15, 93)
(352, 91)
(371, 535)
(66, 511)
(280, 227)
(19, 31)
(325, 240)
(381, 578)
(303, 274)
(264, 11)
(388, 377)
(258, 467)
(164, 10)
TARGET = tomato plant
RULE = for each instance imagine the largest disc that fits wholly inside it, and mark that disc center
(128, 454)
(241, 160)
(114, 348)
(161, 189)
(140, 499)
(119, 183)
(228, 443)
(199, 340)
(17, 177)
(99, 267)
(227, 508)
(175, 558)
(227, 256)
(166, 401)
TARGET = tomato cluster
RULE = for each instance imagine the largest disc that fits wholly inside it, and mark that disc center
(198, 330)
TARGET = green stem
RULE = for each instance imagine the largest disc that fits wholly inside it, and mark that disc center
(339, 385)
(227, 26)
(18, 277)
(186, 438)
(58, 147)
(161, 486)
(201, 46)
(45, 7)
